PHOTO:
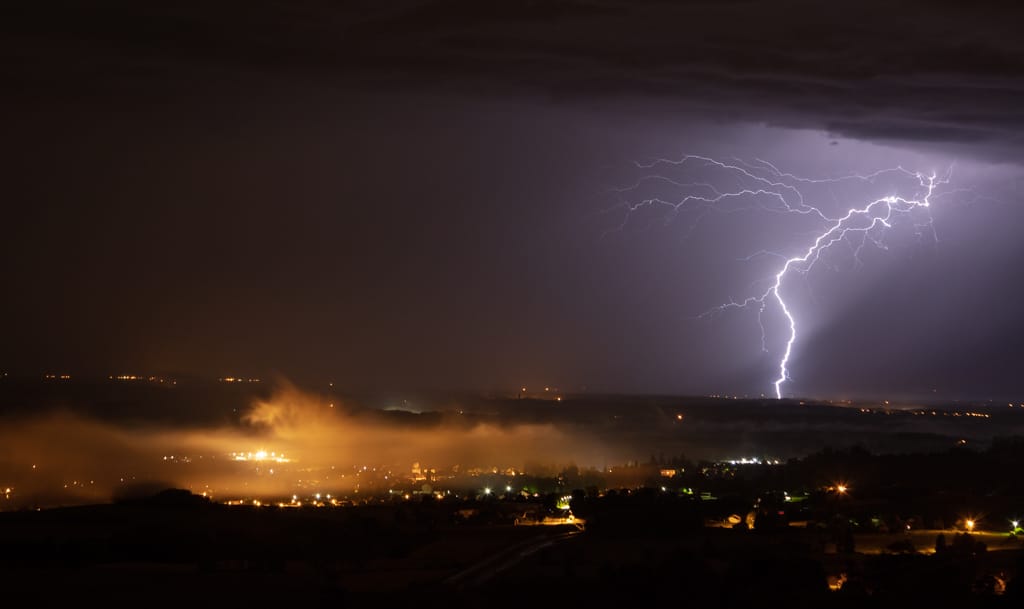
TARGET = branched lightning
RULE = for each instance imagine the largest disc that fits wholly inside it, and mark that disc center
(763, 186)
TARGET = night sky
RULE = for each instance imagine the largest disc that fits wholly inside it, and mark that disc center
(426, 194)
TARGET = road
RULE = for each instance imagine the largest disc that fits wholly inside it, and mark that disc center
(506, 559)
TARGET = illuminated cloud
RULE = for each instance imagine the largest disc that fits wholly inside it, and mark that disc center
(291, 441)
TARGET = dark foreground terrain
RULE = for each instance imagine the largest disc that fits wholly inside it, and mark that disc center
(639, 548)
(179, 550)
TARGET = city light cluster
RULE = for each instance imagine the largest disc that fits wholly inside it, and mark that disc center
(260, 455)
(752, 461)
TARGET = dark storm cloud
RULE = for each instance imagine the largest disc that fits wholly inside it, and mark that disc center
(412, 194)
(918, 70)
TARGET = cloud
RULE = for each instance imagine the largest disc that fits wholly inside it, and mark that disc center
(288, 443)
(932, 71)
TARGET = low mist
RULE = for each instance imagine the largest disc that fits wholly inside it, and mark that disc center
(292, 443)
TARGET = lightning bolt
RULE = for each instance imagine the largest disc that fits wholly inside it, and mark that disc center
(763, 186)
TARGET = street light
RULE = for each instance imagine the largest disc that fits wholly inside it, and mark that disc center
(970, 524)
